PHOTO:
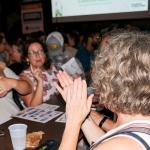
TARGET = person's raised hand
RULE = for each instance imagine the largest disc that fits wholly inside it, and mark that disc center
(77, 103)
(65, 81)
(37, 73)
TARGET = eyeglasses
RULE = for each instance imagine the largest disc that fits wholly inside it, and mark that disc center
(35, 53)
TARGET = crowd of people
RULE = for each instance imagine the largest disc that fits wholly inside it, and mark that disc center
(116, 65)
(36, 60)
(121, 76)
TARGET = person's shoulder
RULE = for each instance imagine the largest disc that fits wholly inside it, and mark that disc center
(120, 143)
(10, 74)
(26, 73)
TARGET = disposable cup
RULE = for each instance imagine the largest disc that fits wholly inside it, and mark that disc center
(18, 135)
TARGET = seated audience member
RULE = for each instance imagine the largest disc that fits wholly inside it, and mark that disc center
(85, 55)
(4, 56)
(55, 43)
(72, 44)
(40, 73)
(17, 58)
(121, 75)
(8, 81)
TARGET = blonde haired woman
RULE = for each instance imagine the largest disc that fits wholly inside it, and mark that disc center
(121, 76)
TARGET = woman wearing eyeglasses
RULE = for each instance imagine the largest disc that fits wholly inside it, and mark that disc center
(41, 74)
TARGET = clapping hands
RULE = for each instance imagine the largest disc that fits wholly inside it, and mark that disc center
(74, 93)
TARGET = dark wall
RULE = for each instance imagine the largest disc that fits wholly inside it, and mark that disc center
(47, 15)
(10, 20)
(143, 24)
(2, 16)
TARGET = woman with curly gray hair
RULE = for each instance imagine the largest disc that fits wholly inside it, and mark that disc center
(121, 77)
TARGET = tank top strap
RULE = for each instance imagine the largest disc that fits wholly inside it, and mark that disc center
(140, 139)
(135, 127)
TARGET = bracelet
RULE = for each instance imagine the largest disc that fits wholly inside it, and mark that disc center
(102, 121)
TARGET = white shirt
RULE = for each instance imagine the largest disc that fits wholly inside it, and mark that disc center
(8, 107)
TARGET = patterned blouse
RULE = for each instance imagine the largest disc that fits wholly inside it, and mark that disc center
(49, 77)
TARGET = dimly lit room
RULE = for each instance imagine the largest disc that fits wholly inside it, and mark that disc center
(74, 74)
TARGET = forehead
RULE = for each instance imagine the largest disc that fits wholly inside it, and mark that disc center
(35, 46)
(14, 46)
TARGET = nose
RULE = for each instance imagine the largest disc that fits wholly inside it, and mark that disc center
(37, 54)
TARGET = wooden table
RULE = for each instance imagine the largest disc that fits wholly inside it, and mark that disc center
(52, 129)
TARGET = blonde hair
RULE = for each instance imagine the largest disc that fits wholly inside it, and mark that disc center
(121, 73)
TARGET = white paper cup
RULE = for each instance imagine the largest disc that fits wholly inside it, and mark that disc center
(18, 135)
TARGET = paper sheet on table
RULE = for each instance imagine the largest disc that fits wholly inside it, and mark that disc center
(42, 113)
(62, 118)
(72, 67)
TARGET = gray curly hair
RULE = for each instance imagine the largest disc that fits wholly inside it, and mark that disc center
(121, 73)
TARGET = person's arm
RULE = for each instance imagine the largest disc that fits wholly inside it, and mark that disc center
(9, 80)
(77, 108)
(70, 136)
(91, 131)
(98, 118)
(22, 86)
(36, 97)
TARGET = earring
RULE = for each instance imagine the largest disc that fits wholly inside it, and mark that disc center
(28, 63)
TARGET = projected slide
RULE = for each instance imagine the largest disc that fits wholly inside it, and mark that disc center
(65, 8)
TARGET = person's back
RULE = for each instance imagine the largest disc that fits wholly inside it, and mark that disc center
(137, 131)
